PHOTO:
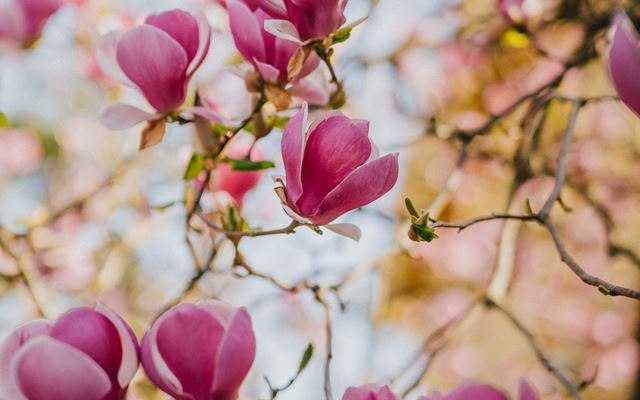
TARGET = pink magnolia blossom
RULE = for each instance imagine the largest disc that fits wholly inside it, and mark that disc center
(270, 55)
(512, 10)
(332, 167)
(22, 21)
(200, 351)
(158, 59)
(370, 392)
(86, 354)
(479, 391)
(624, 60)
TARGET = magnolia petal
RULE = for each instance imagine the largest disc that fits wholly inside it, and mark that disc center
(476, 391)
(106, 50)
(12, 23)
(275, 8)
(283, 29)
(121, 116)
(624, 58)
(370, 392)
(293, 215)
(246, 30)
(10, 346)
(204, 41)
(347, 230)
(156, 368)
(68, 373)
(365, 185)
(310, 92)
(526, 392)
(293, 143)
(181, 26)
(129, 343)
(213, 116)
(268, 72)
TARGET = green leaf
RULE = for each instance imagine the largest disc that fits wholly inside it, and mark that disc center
(306, 357)
(164, 207)
(221, 130)
(528, 207)
(281, 122)
(4, 121)
(342, 35)
(411, 208)
(196, 165)
(248, 165)
(425, 233)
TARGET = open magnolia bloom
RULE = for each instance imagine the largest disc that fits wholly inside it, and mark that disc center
(624, 60)
(479, 391)
(370, 392)
(86, 354)
(271, 56)
(22, 21)
(332, 167)
(158, 59)
(200, 351)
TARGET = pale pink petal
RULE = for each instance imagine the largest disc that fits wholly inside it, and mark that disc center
(155, 62)
(268, 72)
(365, 185)
(156, 369)
(347, 230)
(246, 30)
(293, 144)
(526, 392)
(12, 23)
(283, 29)
(294, 215)
(213, 116)
(129, 343)
(106, 49)
(476, 391)
(181, 26)
(121, 116)
(10, 347)
(624, 59)
(310, 92)
(204, 41)
(221, 311)
(45, 369)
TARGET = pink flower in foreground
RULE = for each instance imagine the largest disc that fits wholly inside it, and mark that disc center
(200, 351)
(86, 354)
(624, 60)
(370, 392)
(22, 21)
(158, 59)
(332, 167)
(479, 391)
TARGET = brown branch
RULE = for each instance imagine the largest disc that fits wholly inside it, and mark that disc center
(291, 228)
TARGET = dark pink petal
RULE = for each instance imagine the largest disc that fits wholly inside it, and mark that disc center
(370, 392)
(293, 142)
(526, 392)
(235, 357)
(246, 31)
(188, 340)
(93, 334)
(624, 60)
(36, 14)
(157, 370)
(157, 64)
(334, 149)
(10, 346)
(365, 185)
(45, 369)
(275, 8)
(181, 26)
(476, 391)
(315, 19)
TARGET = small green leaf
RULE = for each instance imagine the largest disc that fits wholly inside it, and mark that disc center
(4, 121)
(248, 165)
(164, 207)
(342, 35)
(306, 357)
(528, 207)
(425, 233)
(604, 290)
(196, 165)
(221, 130)
(411, 208)
(281, 122)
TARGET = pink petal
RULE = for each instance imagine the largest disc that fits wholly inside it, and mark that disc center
(204, 43)
(10, 346)
(309, 66)
(188, 340)
(181, 26)
(121, 116)
(365, 185)
(156, 369)
(310, 92)
(12, 23)
(213, 116)
(93, 334)
(370, 392)
(293, 142)
(334, 149)
(283, 29)
(526, 392)
(129, 343)
(36, 13)
(275, 8)
(155, 62)
(476, 391)
(246, 31)
(106, 50)
(624, 59)
(347, 230)
(268, 72)
(315, 19)
(235, 357)
(46, 369)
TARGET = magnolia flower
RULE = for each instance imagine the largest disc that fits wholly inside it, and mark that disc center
(271, 55)
(624, 59)
(86, 354)
(332, 167)
(370, 392)
(22, 21)
(479, 391)
(158, 59)
(512, 10)
(200, 351)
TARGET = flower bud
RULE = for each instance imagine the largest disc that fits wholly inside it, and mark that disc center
(624, 60)
(302, 20)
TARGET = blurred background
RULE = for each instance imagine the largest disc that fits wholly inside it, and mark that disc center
(89, 218)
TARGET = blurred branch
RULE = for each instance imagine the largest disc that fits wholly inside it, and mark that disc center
(291, 228)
